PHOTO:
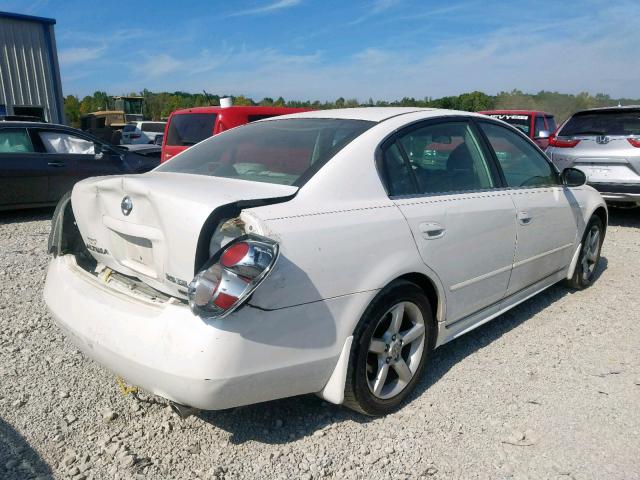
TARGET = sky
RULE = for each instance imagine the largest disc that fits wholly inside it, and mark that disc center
(322, 50)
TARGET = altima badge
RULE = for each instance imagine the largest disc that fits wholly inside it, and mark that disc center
(126, 205)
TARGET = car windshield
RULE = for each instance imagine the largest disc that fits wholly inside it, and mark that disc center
(278, 151)
(606, 122)
(152, 127)
(186, 129)
(520, 121)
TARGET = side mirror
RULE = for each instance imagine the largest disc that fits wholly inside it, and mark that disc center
(573, 177)
(544, 134)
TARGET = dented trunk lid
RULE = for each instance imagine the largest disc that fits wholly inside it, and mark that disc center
(148, 226)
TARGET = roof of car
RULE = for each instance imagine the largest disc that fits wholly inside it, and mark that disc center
(19, 123)
(372, 114)
(249, 109)
(609, 109)
(515, 112)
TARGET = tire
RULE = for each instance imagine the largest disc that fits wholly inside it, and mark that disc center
(589, 257)
(380, 346)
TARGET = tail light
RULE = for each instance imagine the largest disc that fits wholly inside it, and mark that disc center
(634, 141)
(231, 275)
(134, 135)
(554, 141)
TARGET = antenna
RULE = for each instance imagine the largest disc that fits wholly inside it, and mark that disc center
(206, 95)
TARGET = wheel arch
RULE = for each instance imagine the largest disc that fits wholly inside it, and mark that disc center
(602, 213)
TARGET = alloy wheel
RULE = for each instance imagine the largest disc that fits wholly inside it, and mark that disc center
(395, 350)
(590, 252)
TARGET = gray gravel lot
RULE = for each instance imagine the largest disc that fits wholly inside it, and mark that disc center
(548, 390)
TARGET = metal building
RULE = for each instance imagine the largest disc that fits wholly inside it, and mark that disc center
(29, 71)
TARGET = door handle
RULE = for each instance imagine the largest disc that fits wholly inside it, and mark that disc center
(432, 230)
(525, 218)
(57, 164)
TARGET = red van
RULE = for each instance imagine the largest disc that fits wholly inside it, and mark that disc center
(536, 125)
(192, 125)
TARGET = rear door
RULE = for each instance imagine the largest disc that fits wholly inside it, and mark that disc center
(546, 211)
(446, 184)
(23, 171)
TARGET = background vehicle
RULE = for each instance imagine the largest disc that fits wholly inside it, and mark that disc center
(107, 124)
(320, 252)
(141, 132)
(536, 125)
(605, 144)
(40, 162)
(192, 125)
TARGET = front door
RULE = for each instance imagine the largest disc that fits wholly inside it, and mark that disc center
(72, 158)
(446, 185)
(546, 212)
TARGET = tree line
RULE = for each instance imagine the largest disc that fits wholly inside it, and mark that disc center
(158, 106)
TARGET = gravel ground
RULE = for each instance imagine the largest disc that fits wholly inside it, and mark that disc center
(548, 390)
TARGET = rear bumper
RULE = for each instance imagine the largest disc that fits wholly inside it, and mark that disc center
(618, 192)
(248, 357)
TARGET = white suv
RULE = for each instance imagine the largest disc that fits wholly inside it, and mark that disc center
(605, 144)
(142, 132)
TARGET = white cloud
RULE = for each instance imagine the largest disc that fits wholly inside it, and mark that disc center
(382, 5)
(270, 7)
(73, 56)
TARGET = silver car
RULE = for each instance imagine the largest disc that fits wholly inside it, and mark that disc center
(605, 144)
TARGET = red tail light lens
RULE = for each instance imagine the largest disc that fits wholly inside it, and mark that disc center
(634, 141)
(554, 141)
(231, 275)
(234, 254)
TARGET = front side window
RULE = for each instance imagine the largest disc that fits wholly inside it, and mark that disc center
(15, 140)
(522, 164)
(444, 157)
(62, 142)
(190, 128)
(277, 151)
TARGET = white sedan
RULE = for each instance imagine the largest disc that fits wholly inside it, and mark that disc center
(326, 252)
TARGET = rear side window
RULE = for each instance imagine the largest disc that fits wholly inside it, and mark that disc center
(522, 164)
(190, 128)
(446, 157)
(15, 140)
(609, 122)
(153, 127)
(551, 124)
(396, 171)
(131, 127)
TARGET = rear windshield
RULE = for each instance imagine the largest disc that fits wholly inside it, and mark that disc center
(153, 127)
(287, 151)
(522, 122)
(190, 128)
(131, 127)
(603, 123)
